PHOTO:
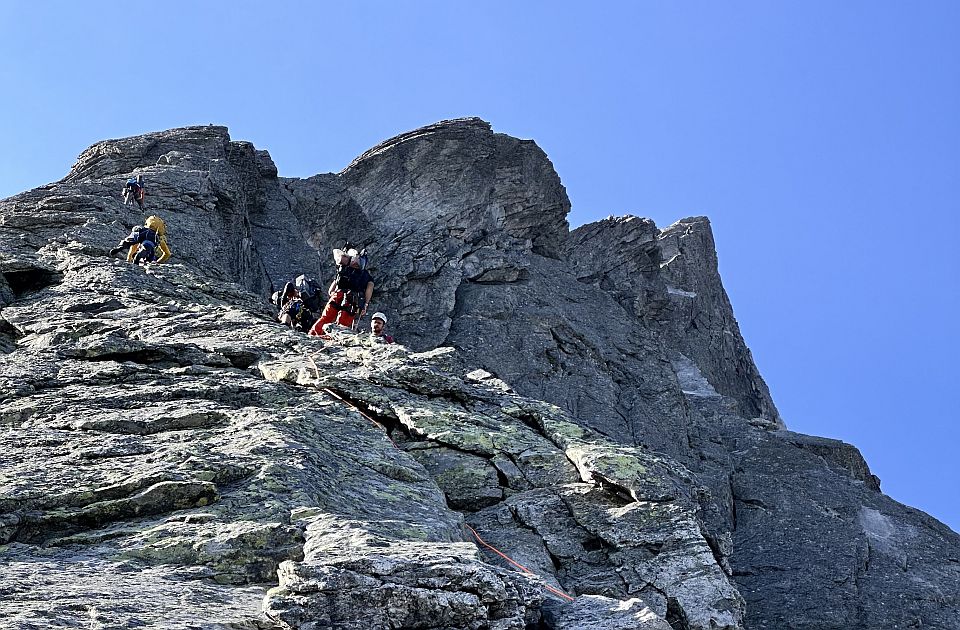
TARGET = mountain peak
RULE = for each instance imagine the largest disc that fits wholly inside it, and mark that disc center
(582, 400)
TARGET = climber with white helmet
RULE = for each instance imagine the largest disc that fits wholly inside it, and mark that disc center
(349, 293)
(378, 324)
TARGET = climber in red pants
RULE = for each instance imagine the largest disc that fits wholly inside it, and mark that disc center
(350, 291)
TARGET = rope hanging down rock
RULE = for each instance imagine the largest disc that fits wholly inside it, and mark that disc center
(517, 564)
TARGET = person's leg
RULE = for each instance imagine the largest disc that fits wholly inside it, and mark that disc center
(345, 319)
(328, 316)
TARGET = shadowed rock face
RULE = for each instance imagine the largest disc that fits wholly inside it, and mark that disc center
(172, 457)
(669, 280)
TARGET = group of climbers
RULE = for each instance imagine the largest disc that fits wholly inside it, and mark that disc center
(146, 243)
(299, 303)
(302, 304)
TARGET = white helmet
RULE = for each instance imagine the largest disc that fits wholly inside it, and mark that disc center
(379, 315)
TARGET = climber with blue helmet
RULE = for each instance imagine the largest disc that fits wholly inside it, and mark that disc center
(133, 190)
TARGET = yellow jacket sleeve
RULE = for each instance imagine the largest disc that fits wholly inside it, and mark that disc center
(164, 250)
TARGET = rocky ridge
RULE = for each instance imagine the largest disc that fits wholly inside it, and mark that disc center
(165, 437)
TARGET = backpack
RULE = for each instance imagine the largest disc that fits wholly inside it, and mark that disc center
(312, 292)
(308, 287)
(156, 223)
(145, 235)
(303, 286)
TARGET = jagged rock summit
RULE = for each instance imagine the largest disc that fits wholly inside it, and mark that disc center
(581, 401)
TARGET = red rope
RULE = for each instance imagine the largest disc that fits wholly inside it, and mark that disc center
(517, 564)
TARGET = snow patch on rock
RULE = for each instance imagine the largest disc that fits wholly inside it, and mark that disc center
(692, 381)
(681, 292)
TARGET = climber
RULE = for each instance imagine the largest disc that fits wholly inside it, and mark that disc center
(311, 292)
(134, 190)
(377, 325)
(350, 291)
(142, 244)
(144, 241)
(295, 314)
(281, 297)
(156, 223)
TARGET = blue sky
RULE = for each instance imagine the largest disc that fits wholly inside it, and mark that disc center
(821, 138)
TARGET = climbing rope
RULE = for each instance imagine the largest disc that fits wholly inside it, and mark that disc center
(517, 564)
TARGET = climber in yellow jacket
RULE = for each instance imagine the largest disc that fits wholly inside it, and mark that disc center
(147, 240)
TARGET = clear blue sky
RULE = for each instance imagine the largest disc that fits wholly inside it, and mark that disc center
(822, 139)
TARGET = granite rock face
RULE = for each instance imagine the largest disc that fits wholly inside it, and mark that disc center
(581, 401)
(161, 427)
(669, 279)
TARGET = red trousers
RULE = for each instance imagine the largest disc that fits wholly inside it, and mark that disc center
(331, 314)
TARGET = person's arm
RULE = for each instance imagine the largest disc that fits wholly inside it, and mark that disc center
(366, 297)
(333, 287)
(164, 250)
(131, 252)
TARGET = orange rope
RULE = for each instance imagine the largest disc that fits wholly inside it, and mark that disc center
(517, 564)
